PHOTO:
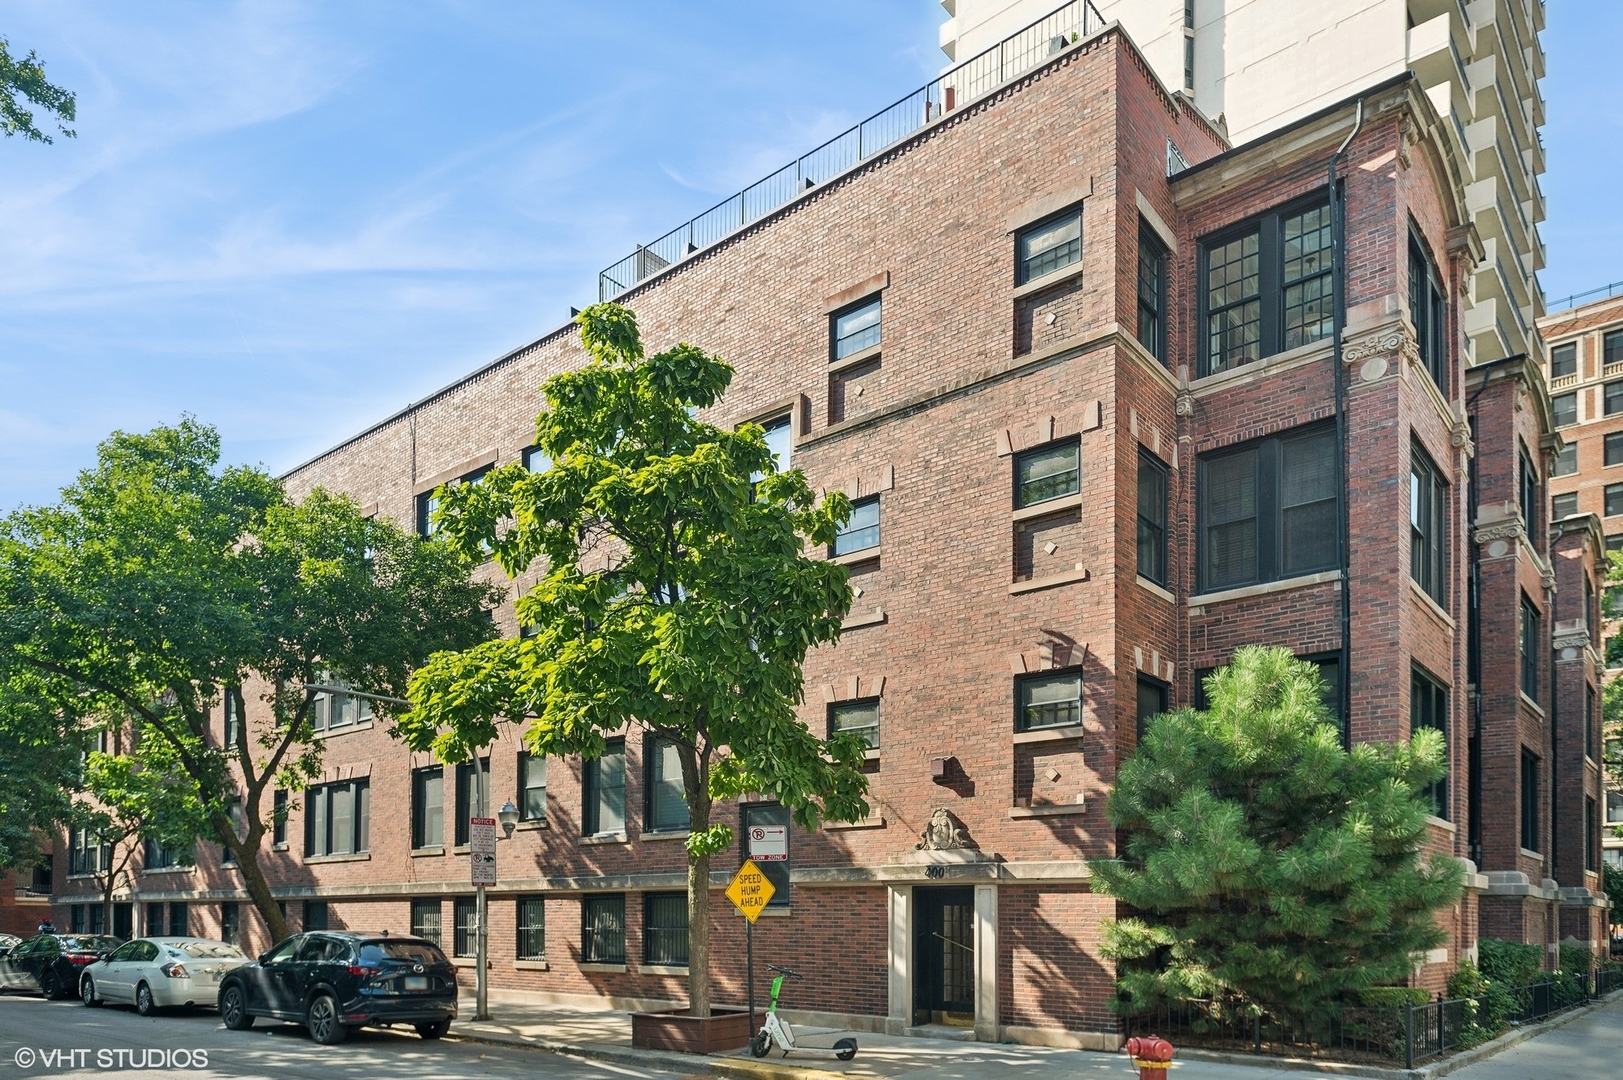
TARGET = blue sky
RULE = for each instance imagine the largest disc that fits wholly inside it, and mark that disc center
(293, 219)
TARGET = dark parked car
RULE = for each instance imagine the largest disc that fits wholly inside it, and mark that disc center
(51, 963)
(331, 981)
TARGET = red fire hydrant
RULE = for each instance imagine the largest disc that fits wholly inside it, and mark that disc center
(1152, 1054)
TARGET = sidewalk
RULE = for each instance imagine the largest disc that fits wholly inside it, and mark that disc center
(1573, 1047)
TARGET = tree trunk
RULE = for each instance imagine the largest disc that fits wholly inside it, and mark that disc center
(247, 852)
(698, 909)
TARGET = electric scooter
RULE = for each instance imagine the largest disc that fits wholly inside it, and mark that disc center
(777, 1030)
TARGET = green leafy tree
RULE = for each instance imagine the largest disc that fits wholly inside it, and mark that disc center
(161, 583)
(40, 765)
(1267, 864)
(1612, 883)
(25, 78)
(678, 597)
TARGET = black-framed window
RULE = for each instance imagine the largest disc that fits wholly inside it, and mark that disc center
(1591, 834)
(465, 926)
(776, 871)
(1152, 701)
(158, 857)
(1590, 748)
(855, 328)
(532, 786)
(1268, 509)
(233, 813)
(153, 920)
(467, 795)
(861, 717)
(1566, 462)
(316, 915)
(1152, 291)
(664, 795)
(603, 790)
(1329, 665)
(1428, 525)
(1153, 486)
(780, 441)
(1613, 396)
(425, 919)
(1564, 505)
(603, 928)
(1613, 453)
(429, 501)
(1428, 312)
(665, 928)
(179, 918)
(1529, 640)
(231, 923)
(1047, 472)
(535, 459)
(1527, 488)
(337, 818)
(1611, 347)
(531, 921)
(279, 816)
(1563, 360)
(861, 532)
(1613, 494)
(1530, 803)
(1564, 409)
(86, 855)
(335, 711)
(1428, 708)
(1050, 245)
(428, 807)
(1051, 699)
(1266, 286)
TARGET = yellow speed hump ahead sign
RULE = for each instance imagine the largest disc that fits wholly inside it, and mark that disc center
(750, 890)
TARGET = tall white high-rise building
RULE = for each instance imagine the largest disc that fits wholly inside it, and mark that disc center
(1257, 65)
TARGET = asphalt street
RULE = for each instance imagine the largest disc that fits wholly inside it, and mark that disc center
(64, 1039)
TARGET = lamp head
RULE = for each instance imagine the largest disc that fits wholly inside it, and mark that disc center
(508, 816)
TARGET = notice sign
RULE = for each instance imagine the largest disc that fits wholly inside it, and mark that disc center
(750, 890)
(482, 849)
(769, 843)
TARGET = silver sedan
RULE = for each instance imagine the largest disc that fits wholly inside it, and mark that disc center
(161, 972)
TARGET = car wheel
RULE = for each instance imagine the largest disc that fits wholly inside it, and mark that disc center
(50, 985)
(761, 1045)
(323, 1021)
(87, 992)
(434, 1030)
(143, 1000)
(234, 1010)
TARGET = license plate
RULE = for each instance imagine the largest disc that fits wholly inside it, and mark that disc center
(416, 982)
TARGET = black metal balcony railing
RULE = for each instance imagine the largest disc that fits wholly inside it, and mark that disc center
(955, 88)
(1578, 299)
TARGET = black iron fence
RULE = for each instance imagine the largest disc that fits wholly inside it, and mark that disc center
(1606, 980)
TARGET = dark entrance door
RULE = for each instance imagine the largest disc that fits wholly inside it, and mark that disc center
(124, 921)
(944, 956)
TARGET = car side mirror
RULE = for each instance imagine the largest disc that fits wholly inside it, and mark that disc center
(262, 957)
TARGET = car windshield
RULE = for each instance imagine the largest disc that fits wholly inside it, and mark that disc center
(89, 943)
(208, 950)
(416, 952)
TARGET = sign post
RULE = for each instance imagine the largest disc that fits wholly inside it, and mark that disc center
(750, 890)
(482, 860)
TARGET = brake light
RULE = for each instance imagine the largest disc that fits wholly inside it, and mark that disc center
(175, 971)
(362, 971)
(81, 959)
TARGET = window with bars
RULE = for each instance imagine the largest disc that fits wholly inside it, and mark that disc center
(1047, 472)
(428, 807)
(1268, 509)
(337, 818)
(1563, 360)
(425, 919)
(1266, 287)
(1564, 409)
(861, 717)
(1048, 246)
(1428, 525)
(1428, 708)
(604, 790)
(1048, 700)
(1153, 477)
(665, 929)
(666, 806)
(1428, 312)
(603, 929)
(465, 916)
(1529, 634)
(861, 532)
(1152, 291)
(855, 328)
(532, 928)
(532, 786)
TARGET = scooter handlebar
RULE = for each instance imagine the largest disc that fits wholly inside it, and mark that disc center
(785, 971)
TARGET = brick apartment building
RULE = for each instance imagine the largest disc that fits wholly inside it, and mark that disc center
(1100, 430)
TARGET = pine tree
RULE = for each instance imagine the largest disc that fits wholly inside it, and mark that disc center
(1266, 864)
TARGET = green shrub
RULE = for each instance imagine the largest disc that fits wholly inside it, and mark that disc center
(1577, 959)
(1510, 962)
(1489, 1003)
(1393, 996)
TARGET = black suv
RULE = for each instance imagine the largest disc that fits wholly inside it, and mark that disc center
(331, 981)
(52, 962)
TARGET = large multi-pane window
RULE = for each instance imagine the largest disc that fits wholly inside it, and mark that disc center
(665, 929)
(425, 919)
(1428, 524)
(1266, 287)
(1562, 506)
(1152, 517)
(428, 503)
(468, 790)
(1048, 246)
(428, 807)
(666, 800)
(465, 924)
(1152, 291)
(337, 818)
(1564, 360)
(1564, 409)
(604, 790)
(861, 717)
(603, 928)
(532, 928)
(861, 532)
(331, 711)
(1428, 313)
(1529, 640)
(86, 853)
(532, 786)
(1428, 708)
(1048, 472)
(1046, 701)
(1530, 803)
(1268, 509)
(855, 328)
(1566, 462)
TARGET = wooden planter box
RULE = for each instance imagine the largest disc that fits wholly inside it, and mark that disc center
(724, 1029)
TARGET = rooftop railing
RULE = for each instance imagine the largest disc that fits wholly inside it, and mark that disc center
(1578, 299)
(954, 89)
